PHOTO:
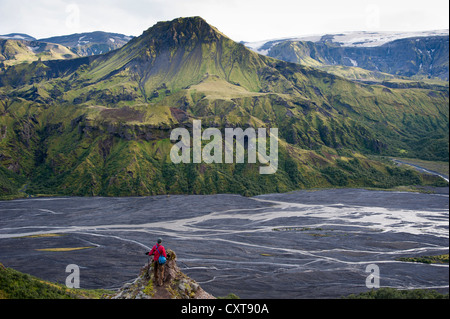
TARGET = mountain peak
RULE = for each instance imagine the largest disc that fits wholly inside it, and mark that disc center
(183, 30)
(179, 53)
(189, 23)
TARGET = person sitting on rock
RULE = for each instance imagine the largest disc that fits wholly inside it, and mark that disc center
(158, 265)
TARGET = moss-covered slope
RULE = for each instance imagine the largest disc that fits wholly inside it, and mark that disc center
(100, 125)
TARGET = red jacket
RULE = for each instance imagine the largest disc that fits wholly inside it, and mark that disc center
(157, 250)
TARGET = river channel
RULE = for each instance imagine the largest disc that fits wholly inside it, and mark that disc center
(303, 244)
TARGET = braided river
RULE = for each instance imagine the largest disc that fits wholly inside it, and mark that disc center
(303, 244)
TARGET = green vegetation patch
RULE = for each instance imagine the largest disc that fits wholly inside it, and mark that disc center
(392, 293)
(64, 249)
(41, 236)
(439, 259)
(17, 285)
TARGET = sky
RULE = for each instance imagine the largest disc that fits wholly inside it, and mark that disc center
(241, 20)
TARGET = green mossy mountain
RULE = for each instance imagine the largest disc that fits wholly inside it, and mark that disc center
(100, 125)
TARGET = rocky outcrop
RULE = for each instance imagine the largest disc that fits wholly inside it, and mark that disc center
(176, 285)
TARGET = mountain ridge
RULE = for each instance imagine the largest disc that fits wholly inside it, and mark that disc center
(416, 54)
(23, 51)
(17, 36)
(22, 48)
(90, 43)
(350, 38)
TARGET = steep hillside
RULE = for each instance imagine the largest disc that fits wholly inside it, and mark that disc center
(17, 285)
(100, 125)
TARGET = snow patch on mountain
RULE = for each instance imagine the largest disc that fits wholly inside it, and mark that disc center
(373, 39)
(346, 39)
(17, 36)
(33, 49)
(353, 62)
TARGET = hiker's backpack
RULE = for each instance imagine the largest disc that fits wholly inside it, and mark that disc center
(161, 259)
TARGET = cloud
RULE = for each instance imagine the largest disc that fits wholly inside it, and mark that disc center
(248, 20)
